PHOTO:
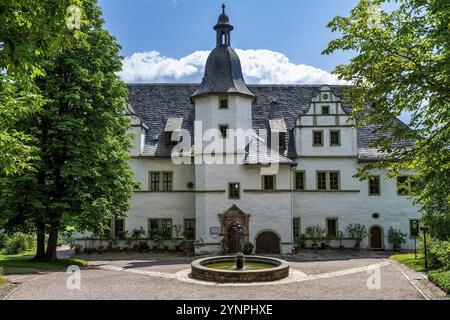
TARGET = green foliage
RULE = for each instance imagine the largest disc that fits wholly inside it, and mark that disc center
(300, 241)
(137, 233)
(409, 260)
(18, 243)
(396, 237)
(438, 254)
(247, 248)
(357, 232)
(26, 261)
(81, 176)
(28, 29)
(315, 233)
(441, 278)
(402, 66)
(3, 238)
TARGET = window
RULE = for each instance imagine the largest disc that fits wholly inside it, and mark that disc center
(328, 180)
(167, 181)
(161, 181)
(402, 185)
(300, 180)
(268, 182)
(234, 190)
(332, 227)
(321, 180)
(414, 228)
(317, 138)
(154, 181)
(335, 138)
(164, 226)
(334, 180)
(119, 228)
(189, 229)
(374, 185)
(223, 130)
(296, 227)
(325, 109)
(223, 104)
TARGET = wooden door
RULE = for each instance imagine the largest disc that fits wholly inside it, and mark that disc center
(375, 237)
(231, 239)
(267, 242)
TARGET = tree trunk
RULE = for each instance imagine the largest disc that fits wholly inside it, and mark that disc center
(40, 239)
(50, 255)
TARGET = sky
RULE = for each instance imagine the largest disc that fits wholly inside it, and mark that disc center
(277, 41)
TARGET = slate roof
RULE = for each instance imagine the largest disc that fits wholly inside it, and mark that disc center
(156, 103)
(223, 74)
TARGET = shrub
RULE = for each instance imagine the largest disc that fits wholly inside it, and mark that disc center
(396, 237)
(137, 233)
(441, 278)
(300, 240)
(247, 248)
(18, 242)
(438, 254)
(2, 239)
(316, 233)
(357, 232)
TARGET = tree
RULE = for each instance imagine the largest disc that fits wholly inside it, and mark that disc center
(27, 29)
(81, 177)
(402, 66)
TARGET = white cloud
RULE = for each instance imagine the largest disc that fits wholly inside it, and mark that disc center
(258, 66)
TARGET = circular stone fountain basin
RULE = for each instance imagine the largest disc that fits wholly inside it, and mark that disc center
(223, 269)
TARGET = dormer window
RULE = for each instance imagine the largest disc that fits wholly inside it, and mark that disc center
(279, 126)
(325, 109)
(223, 103)
(173, 125)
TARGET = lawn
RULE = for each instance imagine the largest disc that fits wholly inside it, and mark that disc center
(23, 264)
(410, 261)
(441, 278)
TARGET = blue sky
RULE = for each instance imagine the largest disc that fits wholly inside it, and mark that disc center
(176, 28)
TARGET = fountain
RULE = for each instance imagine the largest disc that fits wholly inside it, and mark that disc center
(239, 268)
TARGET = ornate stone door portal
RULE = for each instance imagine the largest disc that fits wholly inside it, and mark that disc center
(231, 217)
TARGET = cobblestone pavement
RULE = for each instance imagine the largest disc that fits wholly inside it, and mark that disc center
(150, 276)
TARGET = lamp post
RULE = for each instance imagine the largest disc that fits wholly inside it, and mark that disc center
(415, 227)
(425, 230)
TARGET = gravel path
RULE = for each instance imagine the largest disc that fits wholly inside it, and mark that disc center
(97, 283)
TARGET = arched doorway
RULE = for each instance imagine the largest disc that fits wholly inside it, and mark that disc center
(376, 237)
(267, 242)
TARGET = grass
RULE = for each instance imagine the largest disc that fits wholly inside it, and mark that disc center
(2, 281)
(23, 264)
(441, 278)
(409, 260)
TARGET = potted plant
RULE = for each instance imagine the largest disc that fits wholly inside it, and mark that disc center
(397, 238)
(315, 233)
(357, 232)
(247, 248)
(300, 242)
